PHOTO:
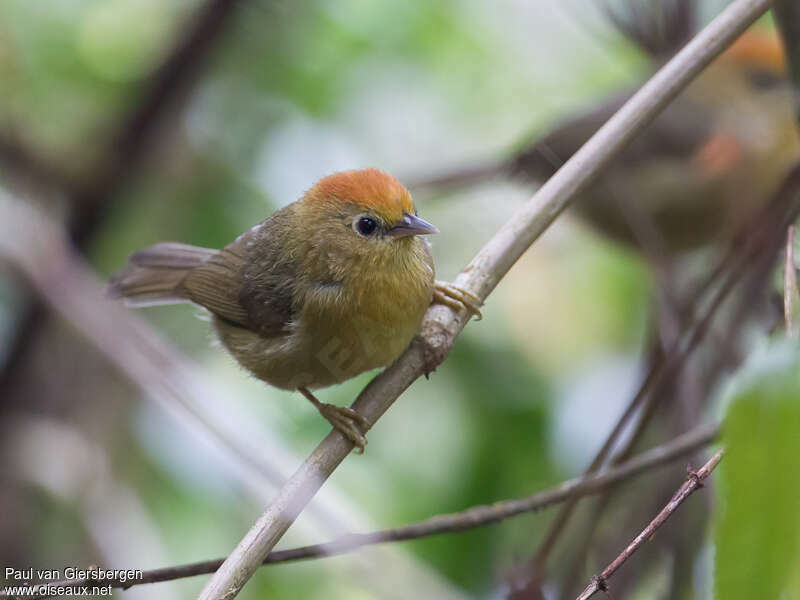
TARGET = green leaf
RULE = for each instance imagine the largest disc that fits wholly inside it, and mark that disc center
(759, 485)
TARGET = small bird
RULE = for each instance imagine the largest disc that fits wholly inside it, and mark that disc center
(698, 173)
(328, 287)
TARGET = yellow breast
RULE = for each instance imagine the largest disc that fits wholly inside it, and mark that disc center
(369, 320)
(342, 329)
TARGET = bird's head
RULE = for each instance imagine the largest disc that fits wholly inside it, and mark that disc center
(759, 56)
(360, 219)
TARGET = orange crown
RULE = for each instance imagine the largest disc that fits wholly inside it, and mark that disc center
(371, 189)
(759, 48)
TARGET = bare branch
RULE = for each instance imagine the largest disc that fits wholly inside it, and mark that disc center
(478, 516)
(694, 482)
(459, 178)
(751, 248)
(760, 246)
(484, 272)
(645, 403)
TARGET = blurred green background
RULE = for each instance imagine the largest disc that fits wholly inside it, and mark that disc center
(97, 473)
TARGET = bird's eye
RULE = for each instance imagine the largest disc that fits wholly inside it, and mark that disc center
(764, 79)
(366, 226)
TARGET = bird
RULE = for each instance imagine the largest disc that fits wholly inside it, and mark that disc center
(699, 171)
(328, 287)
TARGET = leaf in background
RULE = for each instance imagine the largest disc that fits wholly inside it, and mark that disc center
(759, 526)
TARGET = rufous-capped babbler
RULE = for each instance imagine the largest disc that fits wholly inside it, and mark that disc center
(700, 169)
(326, 288)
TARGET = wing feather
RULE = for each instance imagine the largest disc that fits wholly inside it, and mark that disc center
(249, 282)
(215, 285)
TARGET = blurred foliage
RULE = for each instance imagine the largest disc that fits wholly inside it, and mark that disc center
(758, 534)
(70, 69)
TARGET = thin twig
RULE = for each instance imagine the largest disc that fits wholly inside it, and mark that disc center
(464, 176)
(478, 516)
(749, 244)
(442, 324)
(645, 399)
(789, 283)
(693, 483)
(759, 251)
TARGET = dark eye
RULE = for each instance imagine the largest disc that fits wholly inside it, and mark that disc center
(764, 79)
(366, 226)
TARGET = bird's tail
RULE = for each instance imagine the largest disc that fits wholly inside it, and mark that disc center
(154, 274)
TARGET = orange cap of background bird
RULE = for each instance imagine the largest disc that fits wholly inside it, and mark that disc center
(759, 48)
(371, 188)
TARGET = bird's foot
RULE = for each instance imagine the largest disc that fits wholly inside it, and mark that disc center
(347, 422)
(456, 298)
(344, 419)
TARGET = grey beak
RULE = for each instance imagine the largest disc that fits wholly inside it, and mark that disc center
(412, 225)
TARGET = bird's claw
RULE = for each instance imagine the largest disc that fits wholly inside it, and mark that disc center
(456, 298)
(346, 421)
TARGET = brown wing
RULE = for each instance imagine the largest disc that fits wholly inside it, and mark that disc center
(249, 282)
(269, 276)
(215, 285)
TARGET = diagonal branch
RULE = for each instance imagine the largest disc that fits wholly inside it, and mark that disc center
(477, 516)
(480, 276)
(692, 484)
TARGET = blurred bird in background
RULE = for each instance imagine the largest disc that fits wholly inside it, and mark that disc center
(702, 167)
